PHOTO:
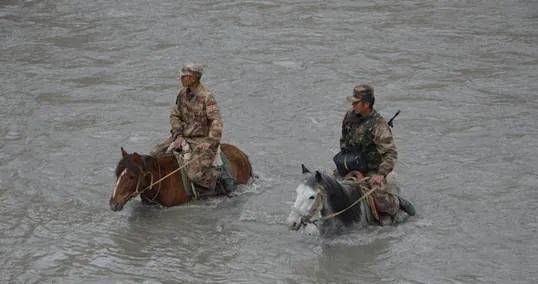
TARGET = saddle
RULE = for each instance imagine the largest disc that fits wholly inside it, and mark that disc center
(195, 191)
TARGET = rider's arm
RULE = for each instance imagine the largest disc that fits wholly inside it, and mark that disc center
(386, 147)
(176, 119)
(343, 142)
(214, 120)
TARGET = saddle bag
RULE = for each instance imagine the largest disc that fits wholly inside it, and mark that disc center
(347, 161)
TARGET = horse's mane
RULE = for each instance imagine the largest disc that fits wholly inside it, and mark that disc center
(337, 198)
(128, 162)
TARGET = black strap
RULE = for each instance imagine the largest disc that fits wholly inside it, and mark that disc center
(393, 117)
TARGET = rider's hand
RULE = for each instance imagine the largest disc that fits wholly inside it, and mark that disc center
(177, 144)
(377, 180)
(203, 146)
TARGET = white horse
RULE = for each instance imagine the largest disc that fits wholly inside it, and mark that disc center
(328, 204)
(318, 200)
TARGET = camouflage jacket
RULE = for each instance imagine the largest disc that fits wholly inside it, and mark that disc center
(196, 115)
(372, 137)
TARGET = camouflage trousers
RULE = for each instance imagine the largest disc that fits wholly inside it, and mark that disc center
(201, 170)
(385, 198)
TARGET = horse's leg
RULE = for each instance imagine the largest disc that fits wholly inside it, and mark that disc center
(240, 167)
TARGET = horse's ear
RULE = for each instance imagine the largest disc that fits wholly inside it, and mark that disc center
(318, 176)
(123, 152)
(305, 170)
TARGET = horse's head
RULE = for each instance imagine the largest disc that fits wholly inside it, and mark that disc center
(130, 180)
(309, 200)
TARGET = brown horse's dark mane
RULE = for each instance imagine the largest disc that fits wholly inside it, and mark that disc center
(129, 162)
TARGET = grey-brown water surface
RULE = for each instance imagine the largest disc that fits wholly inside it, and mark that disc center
(79, 79)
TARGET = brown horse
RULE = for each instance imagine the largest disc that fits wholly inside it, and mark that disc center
(135, 174)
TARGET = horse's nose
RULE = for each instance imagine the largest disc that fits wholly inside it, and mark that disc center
(293, 223)
(114, 206)
(294, 226)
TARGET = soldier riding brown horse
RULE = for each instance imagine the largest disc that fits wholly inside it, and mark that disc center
(196, 125)
(158, 180)
(196, 131)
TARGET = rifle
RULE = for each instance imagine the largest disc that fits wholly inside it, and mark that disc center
(393, 117)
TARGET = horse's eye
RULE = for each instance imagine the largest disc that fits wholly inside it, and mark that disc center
(311, 197)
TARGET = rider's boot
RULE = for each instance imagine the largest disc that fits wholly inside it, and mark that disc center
(202, 192)
(406, 206)
(226, 183)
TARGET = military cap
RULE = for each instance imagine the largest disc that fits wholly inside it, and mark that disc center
(192, 69)
(361, 91)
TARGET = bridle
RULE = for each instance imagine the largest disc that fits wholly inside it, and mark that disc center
(315, 210)
(141, 176)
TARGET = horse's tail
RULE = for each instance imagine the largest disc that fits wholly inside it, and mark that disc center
(240, 166)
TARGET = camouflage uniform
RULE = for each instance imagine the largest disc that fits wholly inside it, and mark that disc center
(196, 118)
(372, 135)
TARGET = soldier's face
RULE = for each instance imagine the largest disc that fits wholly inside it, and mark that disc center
(357, 106)
(187, 80)
(361, 107)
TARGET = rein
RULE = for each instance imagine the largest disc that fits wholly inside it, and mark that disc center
(307, 218)
(144, 174)
(345, 209)
(151, 183)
